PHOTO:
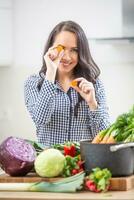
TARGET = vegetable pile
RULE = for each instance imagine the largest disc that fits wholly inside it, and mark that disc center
(122, 130)
(60, 160)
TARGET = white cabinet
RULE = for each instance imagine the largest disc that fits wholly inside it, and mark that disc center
(6, 33)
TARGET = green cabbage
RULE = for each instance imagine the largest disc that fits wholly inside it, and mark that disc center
(49, 163)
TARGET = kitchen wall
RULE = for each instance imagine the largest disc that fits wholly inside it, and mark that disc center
(32, 20)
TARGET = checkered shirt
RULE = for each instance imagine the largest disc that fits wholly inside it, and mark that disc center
(52, 111)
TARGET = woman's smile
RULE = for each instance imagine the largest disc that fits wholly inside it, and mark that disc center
(66, 64)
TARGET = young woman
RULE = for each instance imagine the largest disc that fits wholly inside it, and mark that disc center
(63, 110)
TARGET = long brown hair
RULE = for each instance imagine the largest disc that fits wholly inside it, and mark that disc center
(86, 66)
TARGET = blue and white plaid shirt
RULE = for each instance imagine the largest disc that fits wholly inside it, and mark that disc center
(52, 111)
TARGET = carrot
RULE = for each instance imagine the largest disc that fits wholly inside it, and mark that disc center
(104, 140)
(74, 83)
(111, 140)
(59, 48)
(109, 132)
(98, 138)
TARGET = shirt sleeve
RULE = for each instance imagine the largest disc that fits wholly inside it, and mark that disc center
(99, 119)
(40, 103)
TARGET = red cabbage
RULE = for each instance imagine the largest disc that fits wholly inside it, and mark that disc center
(16, 156)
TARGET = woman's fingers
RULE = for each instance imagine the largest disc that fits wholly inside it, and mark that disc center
(83, 85)
(51, 58)
(54, 54)
(87, 87)
(48, 60)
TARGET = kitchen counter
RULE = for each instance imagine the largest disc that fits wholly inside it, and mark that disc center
(125, 195)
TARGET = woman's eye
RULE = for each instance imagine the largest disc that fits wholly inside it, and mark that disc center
(74, 50)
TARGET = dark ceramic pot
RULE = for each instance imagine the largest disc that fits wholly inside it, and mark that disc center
(118, 158)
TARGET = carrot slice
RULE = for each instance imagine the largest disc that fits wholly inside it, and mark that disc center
(74, 83)
(59, 48)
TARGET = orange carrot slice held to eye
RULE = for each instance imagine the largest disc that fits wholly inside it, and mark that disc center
(59, 48)
(74, 83)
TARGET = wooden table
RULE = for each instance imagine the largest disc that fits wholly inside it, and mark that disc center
(125, 195)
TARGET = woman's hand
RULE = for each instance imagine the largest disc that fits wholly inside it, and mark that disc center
(87, 91)
(52, 59)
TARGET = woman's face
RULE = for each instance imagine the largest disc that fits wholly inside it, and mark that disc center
(70, 58)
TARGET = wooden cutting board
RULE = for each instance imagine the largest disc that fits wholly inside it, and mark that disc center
(122, 183)
(29, 178)
(116, 183)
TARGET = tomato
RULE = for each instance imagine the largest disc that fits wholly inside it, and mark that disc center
(70, 150)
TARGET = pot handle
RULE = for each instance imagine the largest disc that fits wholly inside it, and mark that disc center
(121, 146)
